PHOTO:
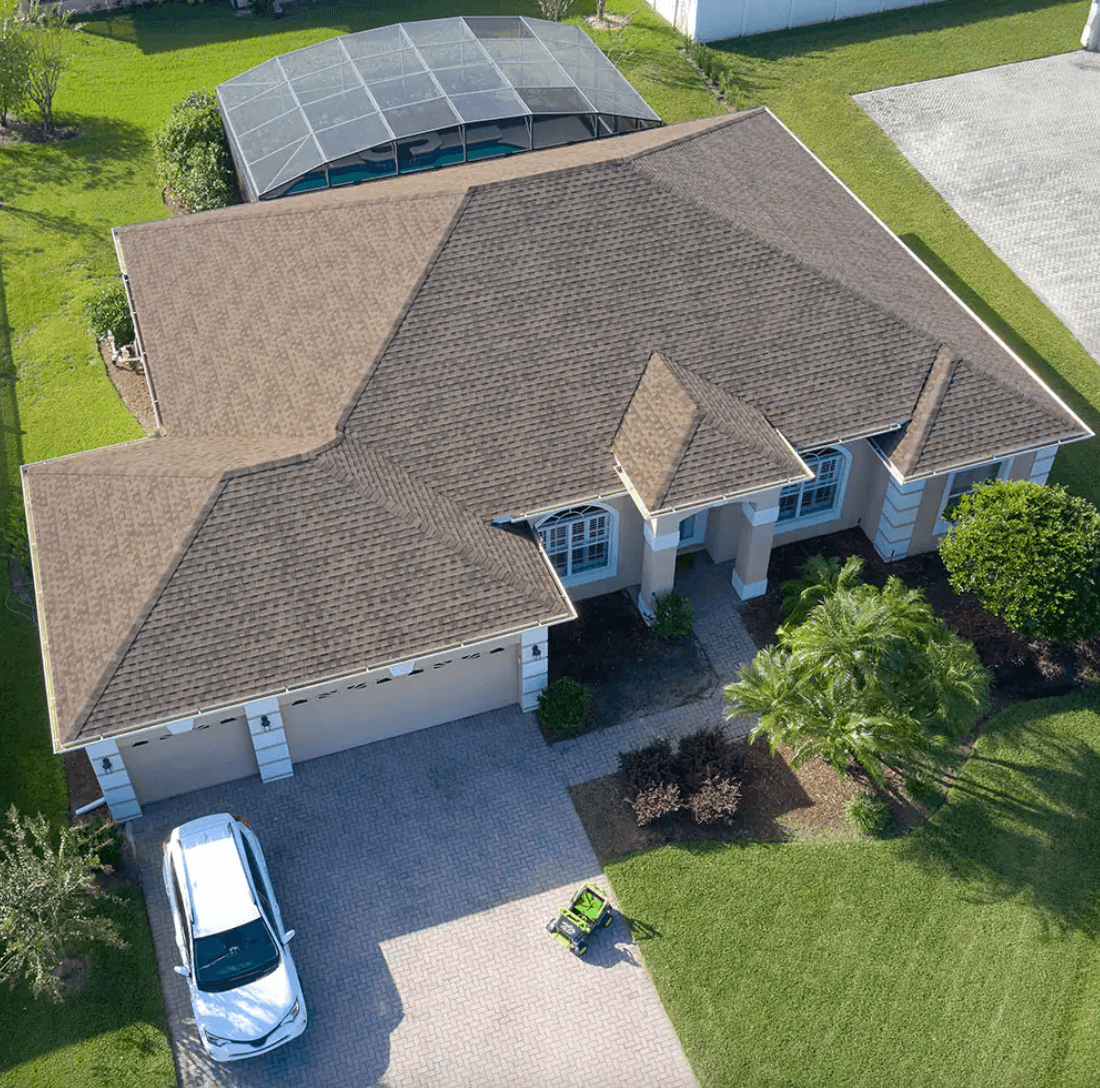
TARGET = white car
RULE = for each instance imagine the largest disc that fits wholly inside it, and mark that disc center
(244, 988)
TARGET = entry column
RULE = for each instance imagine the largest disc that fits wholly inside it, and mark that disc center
(662, 537)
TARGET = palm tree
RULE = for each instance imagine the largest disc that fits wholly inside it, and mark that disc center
(872, 676)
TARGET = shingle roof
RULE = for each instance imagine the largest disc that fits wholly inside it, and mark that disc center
(356, 385)
(682, 441)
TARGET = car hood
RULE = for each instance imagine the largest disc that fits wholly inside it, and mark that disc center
(249, 1012)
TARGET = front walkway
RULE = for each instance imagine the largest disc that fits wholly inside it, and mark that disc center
(1014, 151)
(419, 873)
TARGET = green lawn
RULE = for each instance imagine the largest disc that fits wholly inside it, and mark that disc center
(964, 955)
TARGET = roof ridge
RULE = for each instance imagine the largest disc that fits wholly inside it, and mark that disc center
(417, 517)
(925, 409)
(111, 668)
(368, 373)
(670, 190)
(731, 119)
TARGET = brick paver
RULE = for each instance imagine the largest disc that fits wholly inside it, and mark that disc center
(419, 873)
(1013, 150)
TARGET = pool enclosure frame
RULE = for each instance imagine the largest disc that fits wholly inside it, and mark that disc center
(418, 96)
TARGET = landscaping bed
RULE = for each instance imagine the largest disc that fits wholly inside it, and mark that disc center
(1022, 668)
(778, 804)
(630, 670)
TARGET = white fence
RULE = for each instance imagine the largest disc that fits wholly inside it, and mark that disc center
(712, 20)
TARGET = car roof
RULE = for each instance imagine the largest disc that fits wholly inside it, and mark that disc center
(221, 897)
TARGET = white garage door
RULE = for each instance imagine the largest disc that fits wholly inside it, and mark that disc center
(439, 689)
(163, 765)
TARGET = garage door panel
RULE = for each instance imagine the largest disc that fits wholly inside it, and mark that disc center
(438, 690)
(166, 764)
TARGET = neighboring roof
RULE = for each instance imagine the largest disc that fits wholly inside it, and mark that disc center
(296, 113)
(682, 440)
(357, 385)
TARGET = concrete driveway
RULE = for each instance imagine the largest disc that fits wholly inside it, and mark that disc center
(1014, 151)
(419, 873)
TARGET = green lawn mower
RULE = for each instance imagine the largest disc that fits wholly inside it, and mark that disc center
(588, 910)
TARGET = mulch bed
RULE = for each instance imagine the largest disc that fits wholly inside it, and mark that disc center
(131, 388)
(630, 670)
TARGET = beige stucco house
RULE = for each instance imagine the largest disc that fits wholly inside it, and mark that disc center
(403, 427)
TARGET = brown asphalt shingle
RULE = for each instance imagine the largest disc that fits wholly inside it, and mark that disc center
(356, 384)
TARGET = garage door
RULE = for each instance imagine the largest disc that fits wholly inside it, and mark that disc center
(163, 765)
(439, 689)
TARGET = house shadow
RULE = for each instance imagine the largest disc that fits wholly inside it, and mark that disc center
(13, 528)
(821, 38)
(1023, 825)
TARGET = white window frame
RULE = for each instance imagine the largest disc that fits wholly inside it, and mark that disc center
(584, 515)
(814, 459)
(1003, 468)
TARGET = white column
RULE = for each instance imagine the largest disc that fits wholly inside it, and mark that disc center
(898, 518)
(534, 658)
(114, 780)
(265, 724)
(1044, 458)
(749, 577)
(662, 537)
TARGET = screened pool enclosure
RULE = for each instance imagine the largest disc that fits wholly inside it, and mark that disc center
(415, 96)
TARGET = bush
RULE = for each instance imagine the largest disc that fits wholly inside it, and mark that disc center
(868, 813)
(563, 706)
(1031, 555)
(652, 765)
(703, 771)
(675, 616)
(192, 154)
(922, 789)
(704, 755)
(715, 801)
(653, 802)
(818, 579)
(108, 314)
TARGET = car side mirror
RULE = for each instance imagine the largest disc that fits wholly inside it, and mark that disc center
(181, 970)
(288, 935)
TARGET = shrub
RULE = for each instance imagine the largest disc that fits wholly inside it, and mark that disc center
(652, 765)
(818, 578)
(653, 802)
(675, 616)
(868, 813)
(555, 10)
(704, 755)
(108, 314)
(48, 898)
(192, 155)
(563, 706)
(922, 789)
(1031, 555)
(715, 801)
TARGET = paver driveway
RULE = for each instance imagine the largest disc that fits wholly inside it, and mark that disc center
(419, 873)
(1014, 151)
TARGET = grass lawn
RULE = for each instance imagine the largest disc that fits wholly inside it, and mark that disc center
(965, 954)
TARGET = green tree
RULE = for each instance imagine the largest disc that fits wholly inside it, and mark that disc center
(818, 578)
(192, 154)
(13, 67)
(48, 35)
(1031, 555)
(871, 676)
(48, 898)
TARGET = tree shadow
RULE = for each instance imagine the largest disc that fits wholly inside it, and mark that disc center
(1076, 400)
(108, 154)
(13, 529)
(816, 40)
(1022, 821)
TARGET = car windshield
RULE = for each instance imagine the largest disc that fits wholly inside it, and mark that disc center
(230, 959)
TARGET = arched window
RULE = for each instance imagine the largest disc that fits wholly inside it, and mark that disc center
(818, 499)
(580, 542)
